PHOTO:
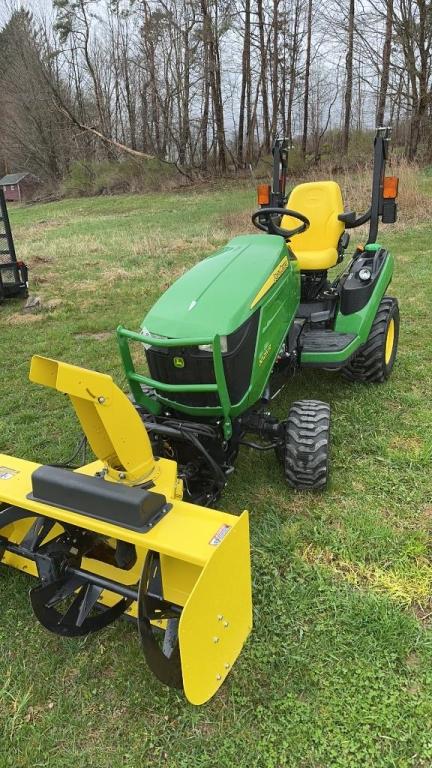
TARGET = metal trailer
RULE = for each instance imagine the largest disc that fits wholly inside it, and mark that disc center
(13, 273)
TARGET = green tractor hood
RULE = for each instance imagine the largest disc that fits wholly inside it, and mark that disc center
(220, 293)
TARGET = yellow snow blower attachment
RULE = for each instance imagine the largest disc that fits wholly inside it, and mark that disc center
(114, 537)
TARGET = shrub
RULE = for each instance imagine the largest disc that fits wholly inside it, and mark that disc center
(89, 178)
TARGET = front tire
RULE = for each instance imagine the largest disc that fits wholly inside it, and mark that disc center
(307, 445)
(375, 359)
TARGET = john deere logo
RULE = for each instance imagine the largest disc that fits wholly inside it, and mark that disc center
(179, 362)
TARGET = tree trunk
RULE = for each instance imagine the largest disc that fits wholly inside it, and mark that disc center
(349, 77)
(275, 67)
(184, 122)
(307, 79)
(292, 79)
(385, 66)
(245, 84)
(263, 56)
(206, 110)
(215, 83)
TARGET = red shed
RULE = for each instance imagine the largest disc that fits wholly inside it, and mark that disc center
(19, 186)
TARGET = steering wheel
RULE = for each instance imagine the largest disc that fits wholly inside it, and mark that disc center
(264, 219)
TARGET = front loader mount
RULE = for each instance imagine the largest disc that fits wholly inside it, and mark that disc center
(115, 538)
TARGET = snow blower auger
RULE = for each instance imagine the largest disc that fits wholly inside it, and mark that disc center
(226, 336)
(115, 537)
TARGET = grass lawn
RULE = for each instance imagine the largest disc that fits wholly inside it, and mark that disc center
(338, 670)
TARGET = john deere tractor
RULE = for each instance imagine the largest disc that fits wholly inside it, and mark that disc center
(219, 339)
(118, 535)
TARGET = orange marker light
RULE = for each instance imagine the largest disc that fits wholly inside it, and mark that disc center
(263, 191)
(390, 187)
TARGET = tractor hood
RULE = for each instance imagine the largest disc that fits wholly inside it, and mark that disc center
(219, 294)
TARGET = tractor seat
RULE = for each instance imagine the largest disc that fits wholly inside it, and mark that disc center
(321, 202)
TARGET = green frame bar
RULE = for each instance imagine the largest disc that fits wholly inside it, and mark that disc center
(154, 405)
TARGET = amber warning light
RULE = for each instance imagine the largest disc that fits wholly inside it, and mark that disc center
(263, 194)
(390, 187)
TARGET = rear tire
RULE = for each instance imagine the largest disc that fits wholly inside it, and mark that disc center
(375, 359)
(307, 445)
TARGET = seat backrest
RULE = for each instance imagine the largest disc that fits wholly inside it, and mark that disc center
(321, 202)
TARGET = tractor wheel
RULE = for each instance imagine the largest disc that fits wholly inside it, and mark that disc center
(375, 359)
(307, 445)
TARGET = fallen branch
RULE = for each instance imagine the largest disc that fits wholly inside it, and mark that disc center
(117, 144)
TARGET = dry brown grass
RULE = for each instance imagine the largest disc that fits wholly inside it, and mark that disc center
(414, 204)
(24, 319)
(409, 584)
(235, 223)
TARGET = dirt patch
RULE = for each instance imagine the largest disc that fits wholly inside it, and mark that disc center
(52, 304)
(41, 260)
(99, 336)
(111, 276)
(412, 660)
(423, 611)
(408, 444)
(426, 513)
(38, 228)
(26, 319)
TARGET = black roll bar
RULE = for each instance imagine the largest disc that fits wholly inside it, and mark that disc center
(278, 196)
(374, 213)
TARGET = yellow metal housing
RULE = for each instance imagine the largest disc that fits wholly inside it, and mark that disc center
(201, 549)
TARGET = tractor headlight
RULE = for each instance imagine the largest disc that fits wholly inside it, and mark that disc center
(145, 332)
(365, 274)
(209, 347)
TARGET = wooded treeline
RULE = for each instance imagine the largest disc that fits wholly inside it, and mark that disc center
(206, 84)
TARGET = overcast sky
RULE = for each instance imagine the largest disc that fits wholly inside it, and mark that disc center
(36, 6)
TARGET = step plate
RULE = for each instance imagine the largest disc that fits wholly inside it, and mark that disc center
(324, 340)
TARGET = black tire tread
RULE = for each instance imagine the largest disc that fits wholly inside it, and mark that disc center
(307, 442)
(368, 364)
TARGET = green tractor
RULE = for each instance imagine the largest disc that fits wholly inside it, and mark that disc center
(219, 339)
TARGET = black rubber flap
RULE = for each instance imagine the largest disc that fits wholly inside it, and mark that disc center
(324, 340)
(134, 508)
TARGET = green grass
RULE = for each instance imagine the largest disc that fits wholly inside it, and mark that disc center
(338, 670)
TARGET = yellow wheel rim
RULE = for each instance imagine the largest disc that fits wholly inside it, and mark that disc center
(389, 344)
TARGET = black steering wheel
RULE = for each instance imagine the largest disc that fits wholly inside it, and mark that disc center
(264, 219)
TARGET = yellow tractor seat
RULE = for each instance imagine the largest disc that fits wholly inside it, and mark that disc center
(321, 202)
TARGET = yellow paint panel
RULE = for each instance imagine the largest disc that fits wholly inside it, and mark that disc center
(183, 533)
(178, 579)
(217, 618)
(111, 423)
(274, 277)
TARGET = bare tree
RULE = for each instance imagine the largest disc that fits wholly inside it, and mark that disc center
(307, 78)
(245, 82)
(349, 76)
(386, 56)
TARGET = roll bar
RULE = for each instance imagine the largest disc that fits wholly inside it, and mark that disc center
(382, 205)
(383, 201)
(278, 197)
